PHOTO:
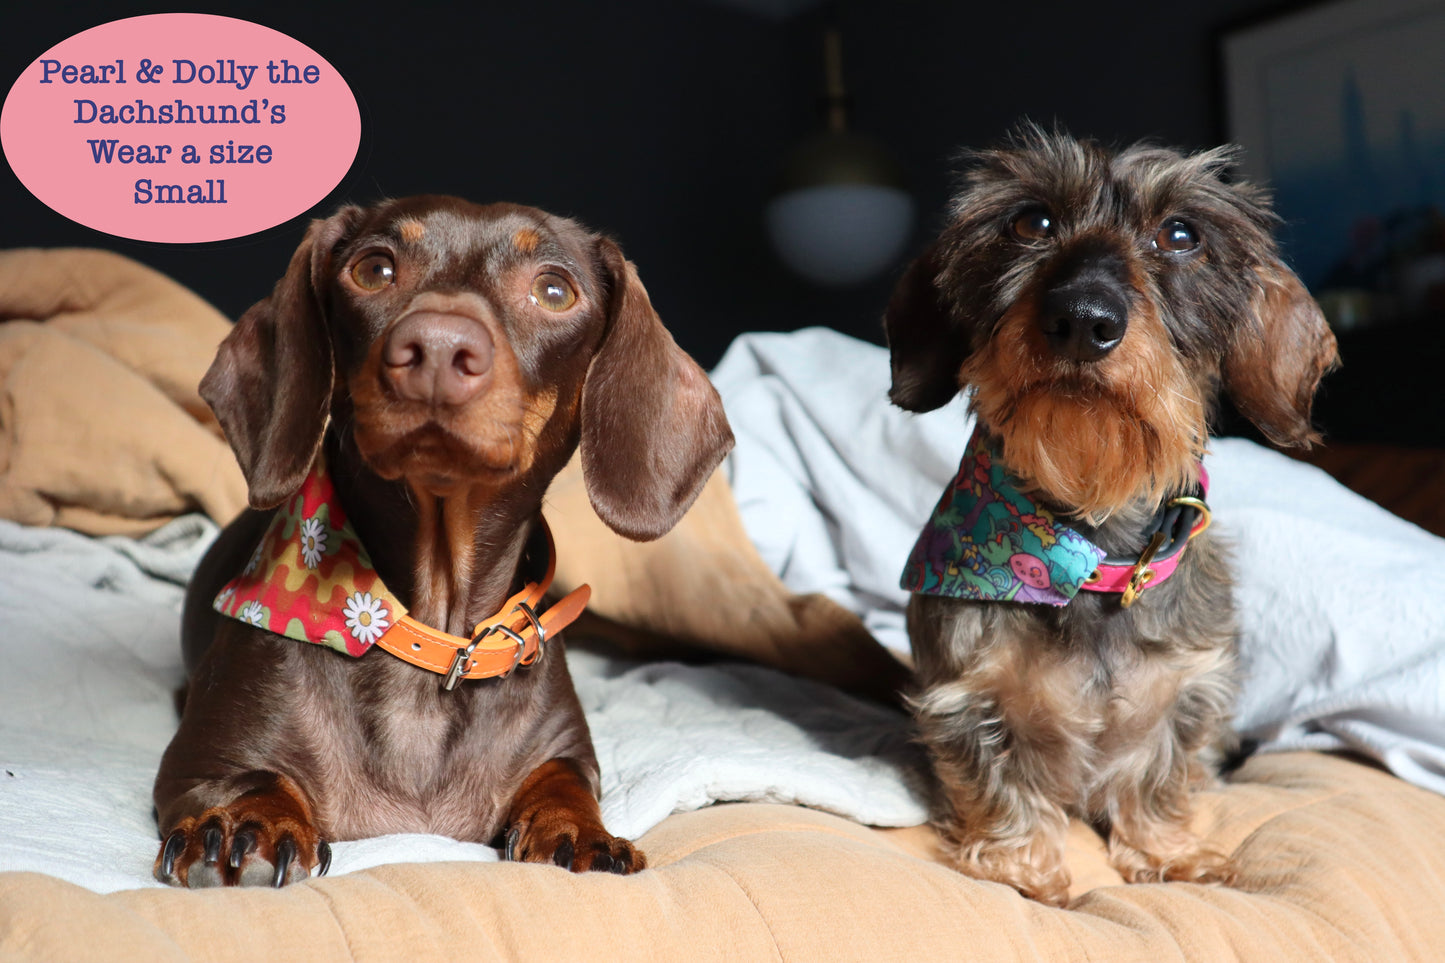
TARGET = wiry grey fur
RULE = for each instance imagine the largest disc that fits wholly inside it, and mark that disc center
(1033, 714)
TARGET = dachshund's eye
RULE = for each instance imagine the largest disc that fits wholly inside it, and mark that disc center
(1176, 237)
(374, 272)
(553, 292)
(1034, 225)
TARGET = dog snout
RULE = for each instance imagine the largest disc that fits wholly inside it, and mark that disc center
(1083, 323)
(437, 359)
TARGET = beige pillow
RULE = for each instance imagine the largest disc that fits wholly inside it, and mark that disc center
(101, 426)
(703, 590)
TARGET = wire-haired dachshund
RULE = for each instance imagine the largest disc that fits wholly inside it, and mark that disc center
(1072, 621)
(399, 405)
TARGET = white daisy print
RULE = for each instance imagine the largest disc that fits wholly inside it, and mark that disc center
(365, 617)
(252, 612)
(255, 559)
(224, 599)
(313, 541)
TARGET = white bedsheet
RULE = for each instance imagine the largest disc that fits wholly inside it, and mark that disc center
(1342, 604)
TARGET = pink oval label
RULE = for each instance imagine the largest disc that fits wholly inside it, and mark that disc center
(180, 127)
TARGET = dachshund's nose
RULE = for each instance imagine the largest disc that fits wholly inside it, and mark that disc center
(437, 359)
(1083, 323)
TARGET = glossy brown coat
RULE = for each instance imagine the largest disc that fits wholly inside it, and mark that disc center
(285, 746)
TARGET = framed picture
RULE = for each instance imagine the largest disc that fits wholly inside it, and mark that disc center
(1341, 111)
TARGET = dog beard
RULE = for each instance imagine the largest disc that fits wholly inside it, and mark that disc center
(1090, 441)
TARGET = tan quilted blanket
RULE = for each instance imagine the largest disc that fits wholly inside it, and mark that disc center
(1339, 862)
(101, 428)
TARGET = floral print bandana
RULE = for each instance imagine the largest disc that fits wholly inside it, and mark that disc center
(310, 579)
(986, 540)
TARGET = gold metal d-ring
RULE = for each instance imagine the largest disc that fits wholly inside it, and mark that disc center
(1206, 517)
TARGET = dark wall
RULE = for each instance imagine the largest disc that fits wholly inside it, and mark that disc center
(664, 122)
(932, 76)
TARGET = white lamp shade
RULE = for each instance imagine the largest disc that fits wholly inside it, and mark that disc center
(840, 234)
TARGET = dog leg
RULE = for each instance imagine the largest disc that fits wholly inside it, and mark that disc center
(1014, 837)
(252, 829)
(1149, 807)
(1150, 841)
(997, 827)
(555, 819)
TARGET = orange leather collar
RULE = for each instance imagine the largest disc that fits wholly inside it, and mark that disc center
(311, 579)
(516, 635)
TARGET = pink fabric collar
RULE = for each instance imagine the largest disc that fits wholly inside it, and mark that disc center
(1129, 577)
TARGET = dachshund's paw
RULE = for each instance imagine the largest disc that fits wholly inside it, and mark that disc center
(1186, 860)
(255, 841)
(555, 837)
(1197, 866)
(1043, 878)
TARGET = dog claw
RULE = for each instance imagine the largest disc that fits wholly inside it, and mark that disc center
(175, 845)
(574, 848)
(564, 854)
(285, 853)
(242, 844)
(264, 837)
(323, 853)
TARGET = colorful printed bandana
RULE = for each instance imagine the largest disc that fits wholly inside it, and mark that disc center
(986, 540)
(310, 579)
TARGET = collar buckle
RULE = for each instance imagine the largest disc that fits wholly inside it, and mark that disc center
(1142, 574)
(462, 661)
(461, 664)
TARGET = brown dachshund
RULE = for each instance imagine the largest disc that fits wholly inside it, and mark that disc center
(442, 361)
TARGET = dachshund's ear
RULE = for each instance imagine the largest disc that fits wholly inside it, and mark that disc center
(1277, 357)
(270, 384)
(653, 427)
(925, 347)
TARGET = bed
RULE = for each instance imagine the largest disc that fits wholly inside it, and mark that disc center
(784, 818)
